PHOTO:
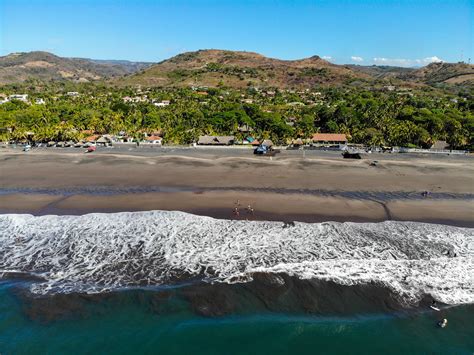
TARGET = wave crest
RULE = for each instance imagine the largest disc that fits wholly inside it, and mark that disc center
(100, 252)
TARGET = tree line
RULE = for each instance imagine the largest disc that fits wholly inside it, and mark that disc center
(414, 119)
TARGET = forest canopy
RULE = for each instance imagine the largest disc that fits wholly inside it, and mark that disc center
(373, 117)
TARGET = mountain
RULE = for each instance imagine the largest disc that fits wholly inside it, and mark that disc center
(448, 73)
(241, 69)
(230, 68)
(432, 74)
(382, 71)
(44, 66)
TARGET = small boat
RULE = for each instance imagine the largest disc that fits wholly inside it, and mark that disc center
(435, 308)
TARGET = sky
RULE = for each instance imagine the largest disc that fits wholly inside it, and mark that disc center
(383, 32)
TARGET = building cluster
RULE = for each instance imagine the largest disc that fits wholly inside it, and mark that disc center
(20, 97)
(318, 139)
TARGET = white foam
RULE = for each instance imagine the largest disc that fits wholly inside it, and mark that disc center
(98, 252)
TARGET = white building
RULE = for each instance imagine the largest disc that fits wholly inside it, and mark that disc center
(155, 140)
(40, 101)
(19, 97)
(162, 103)
(72, 93)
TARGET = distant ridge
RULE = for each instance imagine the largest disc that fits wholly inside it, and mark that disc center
(45, 66)
(237, 69)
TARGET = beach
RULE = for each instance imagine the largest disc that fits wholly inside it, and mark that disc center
(312, 188)
(149, 242)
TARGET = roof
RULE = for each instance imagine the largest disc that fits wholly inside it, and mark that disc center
(104, 139)
(216, 140)
(153, 138)
(329, 137)
(267, 142)
(440, 145)
(92, 138)
(245, 128)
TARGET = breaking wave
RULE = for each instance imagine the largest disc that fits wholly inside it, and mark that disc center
(103, 252)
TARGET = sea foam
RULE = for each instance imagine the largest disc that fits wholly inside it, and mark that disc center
(103, 252)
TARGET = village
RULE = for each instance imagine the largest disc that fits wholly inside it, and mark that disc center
(200, 116)
(335, 142)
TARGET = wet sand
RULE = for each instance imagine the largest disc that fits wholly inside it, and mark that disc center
(312, 189)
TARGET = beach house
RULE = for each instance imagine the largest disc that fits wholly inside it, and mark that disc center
(329, 138)
(153, 140)
(104, 141)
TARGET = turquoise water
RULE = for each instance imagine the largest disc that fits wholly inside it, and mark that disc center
(129, 327)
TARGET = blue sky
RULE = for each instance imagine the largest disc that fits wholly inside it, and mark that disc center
(403, 32)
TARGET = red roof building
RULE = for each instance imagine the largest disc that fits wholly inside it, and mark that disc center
(153, 138)
(92, 138)
(334, 138)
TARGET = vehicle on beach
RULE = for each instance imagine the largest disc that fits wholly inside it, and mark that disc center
(351, 155)
(265, 150)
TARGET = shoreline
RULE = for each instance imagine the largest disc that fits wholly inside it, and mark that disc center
(267, 206)
(321, 187)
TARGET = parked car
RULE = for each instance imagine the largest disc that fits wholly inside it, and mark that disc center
(263, 149)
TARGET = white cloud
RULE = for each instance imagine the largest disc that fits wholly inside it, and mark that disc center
(403, 62)
(357, 59)
(433, 59)
(326, 57)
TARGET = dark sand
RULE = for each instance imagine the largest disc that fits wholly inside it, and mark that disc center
(286, 187)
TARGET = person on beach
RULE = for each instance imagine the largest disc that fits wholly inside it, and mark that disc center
(250, 210)
(443, 323)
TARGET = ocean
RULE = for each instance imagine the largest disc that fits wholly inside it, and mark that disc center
(175, 283)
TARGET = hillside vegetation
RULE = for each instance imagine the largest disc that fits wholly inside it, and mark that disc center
(44, 66)
(240, 69)
(232, 69)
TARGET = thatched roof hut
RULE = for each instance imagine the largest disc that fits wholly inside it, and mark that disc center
(216, 140)
(104, 140)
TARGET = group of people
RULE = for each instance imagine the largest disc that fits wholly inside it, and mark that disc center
(425, 193)
(249, 209)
